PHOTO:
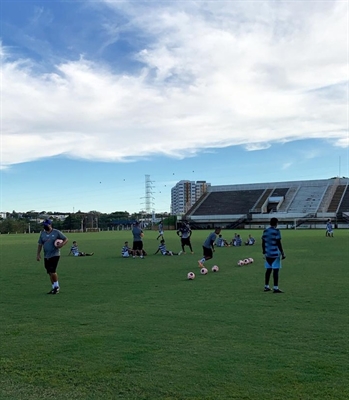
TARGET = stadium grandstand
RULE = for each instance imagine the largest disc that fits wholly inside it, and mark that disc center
(297, 204)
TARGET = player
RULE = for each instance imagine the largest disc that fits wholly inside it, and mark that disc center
(164, 252)
(250, 241)
(52, 253)
(126, 251)
(76, 253)
(184, 232)
(208, 246)
(137, 246)
(329, 228)
(221, 242)
(161, 231)
(237, 241)
(273, 253)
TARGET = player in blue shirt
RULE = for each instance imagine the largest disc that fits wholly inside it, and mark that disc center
(221, 242)
(208, 246)
(273, 253)
(250, 241)
(329, 228)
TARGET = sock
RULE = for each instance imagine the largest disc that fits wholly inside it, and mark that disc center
(55, 284)
(276, 287)
(202, 260)
(266, 286)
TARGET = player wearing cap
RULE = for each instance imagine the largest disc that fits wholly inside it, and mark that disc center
(137, 245)
(47, 240)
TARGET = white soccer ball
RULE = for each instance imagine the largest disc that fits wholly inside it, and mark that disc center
(246, 261)
(58, 242)
(241, 263)
(215, 268)
(251, 260)
(203, 271)
(191, 276)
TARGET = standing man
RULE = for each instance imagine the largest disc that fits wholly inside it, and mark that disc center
(184, 232)
(208, 246)
(161, 231)
(273, 254)
(52, 253)
(137, 240)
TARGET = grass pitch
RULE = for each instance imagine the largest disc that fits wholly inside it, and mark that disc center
(138, 329)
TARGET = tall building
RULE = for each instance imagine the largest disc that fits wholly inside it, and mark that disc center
(185, 194)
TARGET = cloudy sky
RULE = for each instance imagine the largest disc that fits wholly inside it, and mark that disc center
(97, 95)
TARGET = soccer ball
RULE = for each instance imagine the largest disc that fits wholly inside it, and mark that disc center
(215, 268)
(191, 276)
(241, 263)
(58, 242)
(251, 260)
(203, 271)
(246, 261)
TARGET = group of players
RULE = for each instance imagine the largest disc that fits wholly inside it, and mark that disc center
(137, 250)
(271, 246)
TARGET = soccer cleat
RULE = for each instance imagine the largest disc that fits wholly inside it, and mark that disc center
(277, 291)
(55, 290)
(267, 289)
(50, 292)
(180, 253)
(200, 264)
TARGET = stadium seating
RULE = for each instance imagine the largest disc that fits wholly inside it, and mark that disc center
(228, 202)
(294, 203)
(344, 205)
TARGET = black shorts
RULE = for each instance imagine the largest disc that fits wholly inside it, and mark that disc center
(207, 252)
(137, 245)
(51, 264)
(185, 241)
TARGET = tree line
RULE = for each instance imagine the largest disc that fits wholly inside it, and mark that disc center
(30, 221)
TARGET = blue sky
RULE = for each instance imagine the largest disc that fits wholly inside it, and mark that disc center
(95, 95)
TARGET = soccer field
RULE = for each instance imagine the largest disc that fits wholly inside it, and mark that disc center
(138, 329)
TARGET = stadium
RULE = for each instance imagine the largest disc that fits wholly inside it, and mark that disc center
(296, 204)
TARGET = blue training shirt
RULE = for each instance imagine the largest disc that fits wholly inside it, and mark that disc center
(271, 236)
(210, 240)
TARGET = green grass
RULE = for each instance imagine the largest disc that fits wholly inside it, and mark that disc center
(138, 329)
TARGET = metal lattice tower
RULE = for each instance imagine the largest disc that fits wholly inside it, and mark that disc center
(149, 204)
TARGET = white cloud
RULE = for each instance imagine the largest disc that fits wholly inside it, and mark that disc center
(286, 165)
(256, 146)
(214, 75)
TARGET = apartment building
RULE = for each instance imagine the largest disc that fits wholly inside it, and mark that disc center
(185, 194)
